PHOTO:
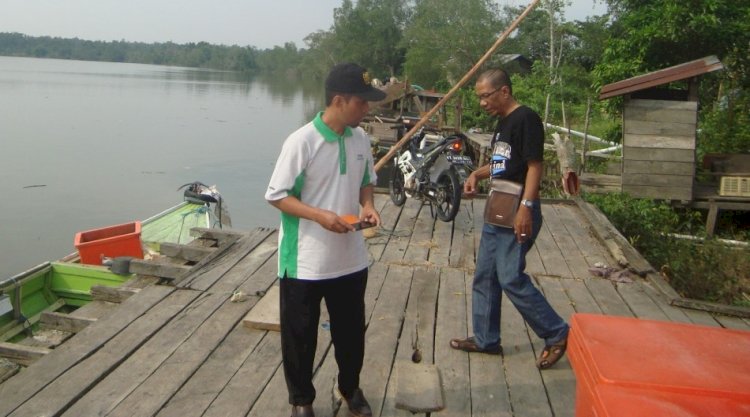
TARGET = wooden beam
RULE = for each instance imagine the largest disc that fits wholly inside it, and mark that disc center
(221, 236)
(64, 322)
(112, 294)
(21, 354)
(168, 271)
(418, 389)
(265, 315)
(185, 252)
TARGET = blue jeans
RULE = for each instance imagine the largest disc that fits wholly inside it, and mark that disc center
(500, 268)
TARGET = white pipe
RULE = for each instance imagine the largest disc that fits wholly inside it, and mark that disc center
(578, 134)
(700, 239)
(605, 150)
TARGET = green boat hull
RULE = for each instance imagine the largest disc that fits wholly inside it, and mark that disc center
(66, 284)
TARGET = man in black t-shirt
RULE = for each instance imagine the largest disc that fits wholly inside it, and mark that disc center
(517, 155)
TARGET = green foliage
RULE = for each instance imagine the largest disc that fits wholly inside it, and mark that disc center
(446, 37)
(707, 270)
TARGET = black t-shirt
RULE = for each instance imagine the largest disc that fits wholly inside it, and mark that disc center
(518, 138)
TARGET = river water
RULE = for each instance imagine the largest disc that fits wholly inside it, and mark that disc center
(90, 144)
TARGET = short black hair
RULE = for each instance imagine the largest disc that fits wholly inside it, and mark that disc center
(497, 78)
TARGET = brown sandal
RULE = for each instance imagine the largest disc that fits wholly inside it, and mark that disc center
(551, 354)
(470, 345)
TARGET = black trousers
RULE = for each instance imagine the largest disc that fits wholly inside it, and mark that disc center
(300, 317)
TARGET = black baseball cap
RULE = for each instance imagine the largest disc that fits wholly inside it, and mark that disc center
(349, 78)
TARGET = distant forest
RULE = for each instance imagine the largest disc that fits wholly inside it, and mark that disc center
(200, 55)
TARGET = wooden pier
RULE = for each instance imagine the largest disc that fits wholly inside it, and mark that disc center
(182, 350)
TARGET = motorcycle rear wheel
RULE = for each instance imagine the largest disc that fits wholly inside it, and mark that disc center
(396, 187)
(449, 195)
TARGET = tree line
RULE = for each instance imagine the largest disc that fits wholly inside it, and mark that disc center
(434, 42)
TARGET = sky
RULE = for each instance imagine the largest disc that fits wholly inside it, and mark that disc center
(259, 23)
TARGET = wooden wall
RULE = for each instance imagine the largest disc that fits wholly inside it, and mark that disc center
(659, 148)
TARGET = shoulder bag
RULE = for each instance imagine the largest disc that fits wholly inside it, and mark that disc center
(502, 202)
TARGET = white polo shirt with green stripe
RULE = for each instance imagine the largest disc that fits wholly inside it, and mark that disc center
(325, 170)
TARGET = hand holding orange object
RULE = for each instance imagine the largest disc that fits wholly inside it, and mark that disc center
(356, 222)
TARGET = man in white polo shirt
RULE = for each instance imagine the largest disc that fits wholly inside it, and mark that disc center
(325, 171)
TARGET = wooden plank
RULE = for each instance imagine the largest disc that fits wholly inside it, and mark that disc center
(662, 104)
(572, 255)
(729, 322)
(580, 230)
(161, 270)
(214, 376)
(8, 369)
(265, 314)
(383, 335)
(580, 297)
(22, 387)
(659, 114)
(273, 400)
(639, 302)
(388, 216)
(550, 252)
(655, 154)
(138, 363)
(654, 141)
(418, 331)
(185, 252)
(243, 392)
(450, 323)
(162, 384)
(70, 386)
(607, 297)
(421, 243)
(94, 309)
(462, 245)
(112, 294)
(559, 380)
(64, 322)
(221, 236)
(20, 354)
(213, 267)
(12, 329)
(246, 274)
(637, 127)
(442, 236)
(419, 388)
(525, 384)
(660, 180)
(660, 193)
(737, 311)
(658, 167)
(398, 242)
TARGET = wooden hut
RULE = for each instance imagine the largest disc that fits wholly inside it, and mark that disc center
(659, 130)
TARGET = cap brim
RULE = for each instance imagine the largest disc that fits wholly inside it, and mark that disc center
(373, 94)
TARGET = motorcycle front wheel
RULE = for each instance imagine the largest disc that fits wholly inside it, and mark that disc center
(449, 195)
(396, 187)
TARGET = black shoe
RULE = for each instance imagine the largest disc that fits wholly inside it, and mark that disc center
(358, 406)
(302, 411)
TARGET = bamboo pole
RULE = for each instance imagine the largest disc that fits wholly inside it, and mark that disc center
(456, 87)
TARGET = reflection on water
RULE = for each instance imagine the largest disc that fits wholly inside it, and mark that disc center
(90, 144)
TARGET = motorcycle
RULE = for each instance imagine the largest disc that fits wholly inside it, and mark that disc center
(432, 168)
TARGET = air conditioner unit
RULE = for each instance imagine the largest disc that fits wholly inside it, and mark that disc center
(735, 187)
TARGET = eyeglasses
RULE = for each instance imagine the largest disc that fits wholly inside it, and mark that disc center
(485, 96)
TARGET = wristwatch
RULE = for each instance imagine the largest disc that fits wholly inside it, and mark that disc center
(528, 203)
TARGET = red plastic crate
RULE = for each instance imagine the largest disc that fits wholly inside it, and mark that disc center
(118, 240)
(627, 366)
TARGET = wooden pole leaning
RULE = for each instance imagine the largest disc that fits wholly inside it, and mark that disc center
(456, 87)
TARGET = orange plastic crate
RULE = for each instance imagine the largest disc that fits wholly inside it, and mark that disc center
(110, 242)
(627, 366)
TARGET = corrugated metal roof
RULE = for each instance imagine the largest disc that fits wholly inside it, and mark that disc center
(664, 76)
